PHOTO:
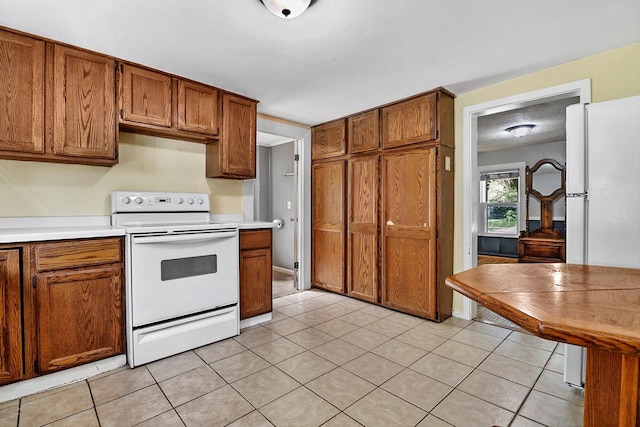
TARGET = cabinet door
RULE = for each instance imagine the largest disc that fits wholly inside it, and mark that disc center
(364, 131)
(145, 96)
(328, 229)
(10, 316)
(255, 282)
(21, 93)
(79, 317)
(409, 121)
(409, 232)
(198, 108)
(238, 137)
(362, 245)
(85, 122)
(328, 140)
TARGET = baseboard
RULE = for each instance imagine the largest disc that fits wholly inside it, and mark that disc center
(255, 320)
(458, 314)
(282, 270)
(57, 379)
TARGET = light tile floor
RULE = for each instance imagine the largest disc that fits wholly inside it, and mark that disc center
(327, 360)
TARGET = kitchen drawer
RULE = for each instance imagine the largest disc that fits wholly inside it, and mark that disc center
(65, 254)
(255, 239)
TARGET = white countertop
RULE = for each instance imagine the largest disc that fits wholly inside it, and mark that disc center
(37, 229)
(250, 225)
(37, 234)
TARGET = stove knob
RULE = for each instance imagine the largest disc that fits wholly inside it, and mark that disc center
(200, 201)
(126, 200)
(180, 200)
(190, 200)
(138, 200)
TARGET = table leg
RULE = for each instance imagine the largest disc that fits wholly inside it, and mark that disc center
(612, 390)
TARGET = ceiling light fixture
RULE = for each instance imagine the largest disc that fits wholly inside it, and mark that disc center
(520, 130)
(287, 9)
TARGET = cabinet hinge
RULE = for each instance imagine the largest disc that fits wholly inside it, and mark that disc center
(122, 113)
(437, 150)
(36, 366)
(34, 282)
(296, 265)
(437, 96)
(437, 234)
(296, 158)
(437, 134)
(122, 68)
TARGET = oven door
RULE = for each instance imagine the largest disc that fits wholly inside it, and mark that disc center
(178, 274)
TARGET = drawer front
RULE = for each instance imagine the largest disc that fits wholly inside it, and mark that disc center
(543, 251)
(62, 255)
(255, 239)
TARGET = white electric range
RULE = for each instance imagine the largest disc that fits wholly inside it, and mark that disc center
(181, 273)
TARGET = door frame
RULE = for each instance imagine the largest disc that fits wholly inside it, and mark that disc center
(470, 177)
(302, 137)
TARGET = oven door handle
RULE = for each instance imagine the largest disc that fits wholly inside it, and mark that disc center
(178, 238)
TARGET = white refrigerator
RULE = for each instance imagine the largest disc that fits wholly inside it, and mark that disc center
(603, 194)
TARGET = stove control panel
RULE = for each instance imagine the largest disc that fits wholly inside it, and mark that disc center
(146, 201)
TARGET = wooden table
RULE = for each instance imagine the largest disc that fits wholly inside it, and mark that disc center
(591, 306)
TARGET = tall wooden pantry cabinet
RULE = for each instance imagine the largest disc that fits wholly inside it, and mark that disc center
(383, 205)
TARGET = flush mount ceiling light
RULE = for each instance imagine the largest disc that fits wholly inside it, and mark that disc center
(520, 130)
(287, 9)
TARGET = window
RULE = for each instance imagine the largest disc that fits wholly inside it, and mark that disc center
(500, 203)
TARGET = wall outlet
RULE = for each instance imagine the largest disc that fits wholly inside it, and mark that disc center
(289, 205)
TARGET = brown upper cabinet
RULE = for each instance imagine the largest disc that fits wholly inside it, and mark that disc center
(66, 104)
(159, 104)
(84, 118)
(409, 121)
(363, 132)
(234, 156)
(198, 108)
(21, 93)
(328, 140)
(57, 103)
(145, 96)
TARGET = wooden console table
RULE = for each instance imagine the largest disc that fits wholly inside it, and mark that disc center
(591, 306)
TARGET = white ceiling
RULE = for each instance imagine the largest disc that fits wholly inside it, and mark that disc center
(549, 119)
(340, 56)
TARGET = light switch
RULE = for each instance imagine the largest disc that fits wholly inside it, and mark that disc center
(447, 163)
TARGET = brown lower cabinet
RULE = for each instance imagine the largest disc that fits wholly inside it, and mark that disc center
(10, 316)
(255, 272)
(72, 309)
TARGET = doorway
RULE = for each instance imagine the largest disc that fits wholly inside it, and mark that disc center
(275, 201)
(473, 118)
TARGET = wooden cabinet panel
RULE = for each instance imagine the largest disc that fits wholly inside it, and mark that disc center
(198, 108)
(10, 316)
(21, 93)
(409, 232)
(328, 140)
(77, 253)
(409, 121)
(255, 282)
(235, 155)
(80, 317)
(85, 123)
(145, 96)
(363, 132)
(362, 244)
(328, 228)
(255, 239)
(255, 272)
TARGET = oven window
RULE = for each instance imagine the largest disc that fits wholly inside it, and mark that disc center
(171, 269)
